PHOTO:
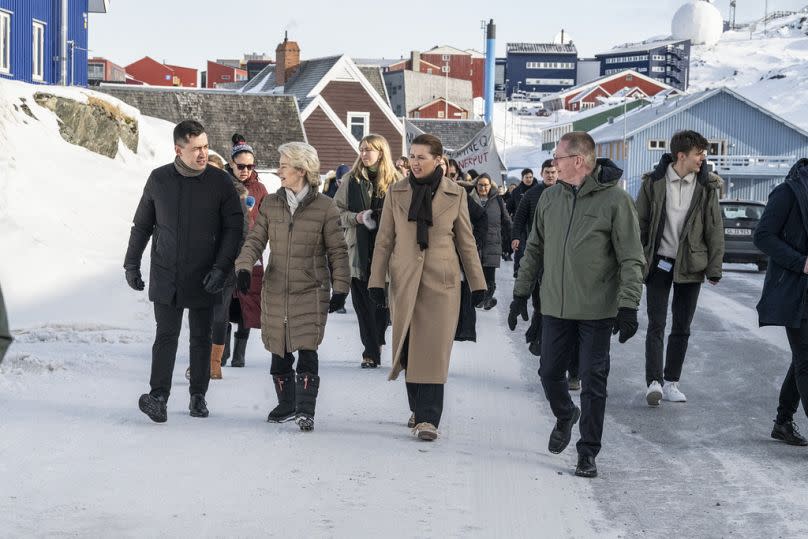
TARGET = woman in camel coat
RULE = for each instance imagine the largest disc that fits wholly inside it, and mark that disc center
(424, 235)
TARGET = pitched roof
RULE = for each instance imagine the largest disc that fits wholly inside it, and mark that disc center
(454, 134)
(644, 117)
(606, 78)
(437, 100)
(374, 76)
(639, 47)
(446, 49)
(546, 48)
(307, 76)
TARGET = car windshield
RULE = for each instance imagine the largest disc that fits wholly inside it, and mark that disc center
(751, 212)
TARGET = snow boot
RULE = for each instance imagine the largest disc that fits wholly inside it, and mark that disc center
(789, 433)
(226, 353)
(305, 400)
(285, 389)
(426, 432)
(154, 407)
(216, 361)
(490, 301)
(198, 406)
(586, 467)
(239, 349)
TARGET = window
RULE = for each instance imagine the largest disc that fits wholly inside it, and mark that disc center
(658, 58)
(657, 144)
(550, 65)
(657, 69)
(429, 71)
(359, 124)
(440, 114)
(748, 212)
(5, 42)
(225, 77)
(38, 51)
(549, 82)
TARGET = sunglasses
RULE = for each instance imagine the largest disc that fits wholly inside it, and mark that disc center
(244, 167)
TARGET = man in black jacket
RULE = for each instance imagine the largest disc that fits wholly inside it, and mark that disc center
(193, 215)
(781, 234)
(528, 182)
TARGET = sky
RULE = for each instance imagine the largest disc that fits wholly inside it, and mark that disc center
(190, 33)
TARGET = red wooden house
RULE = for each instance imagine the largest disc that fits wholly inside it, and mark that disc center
(626, 84)
(465, 65)
(150, 71)
(223, 74)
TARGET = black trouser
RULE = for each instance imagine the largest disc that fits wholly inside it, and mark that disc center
(222, 316)
(517, 256)
(307, 362)
(425, 400)
(490, 274)
(164, 351)
(557, 348)
(372, 319)
(683, 307)
(795, 384)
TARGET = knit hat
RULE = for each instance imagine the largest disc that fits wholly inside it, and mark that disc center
(241, 147)
(342, 170)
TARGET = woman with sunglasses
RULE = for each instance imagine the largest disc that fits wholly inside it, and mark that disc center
(243, 309)
(499, 225)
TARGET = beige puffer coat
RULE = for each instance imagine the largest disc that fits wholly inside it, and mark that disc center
(307, 252)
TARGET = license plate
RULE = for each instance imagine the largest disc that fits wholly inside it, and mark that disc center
(738, 231)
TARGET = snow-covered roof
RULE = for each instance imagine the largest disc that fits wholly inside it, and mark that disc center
(541, 48)
(606, 78)
(640, 47)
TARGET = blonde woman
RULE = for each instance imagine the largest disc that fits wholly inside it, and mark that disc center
(307, 255)
(360, 198)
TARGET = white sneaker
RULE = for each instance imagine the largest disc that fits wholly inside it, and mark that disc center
(671, 393)
(654, 394)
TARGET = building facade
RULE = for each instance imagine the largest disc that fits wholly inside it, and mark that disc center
(468, 65)
(626, 84)
(751, 148)
(218, 73)
(540, 68)
(33, 47)
(666, 61)
(102, 70)
(409, 91)
(149, 71)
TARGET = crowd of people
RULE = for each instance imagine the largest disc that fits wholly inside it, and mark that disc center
(416, 242)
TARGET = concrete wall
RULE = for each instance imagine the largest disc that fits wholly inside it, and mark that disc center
(265, 121)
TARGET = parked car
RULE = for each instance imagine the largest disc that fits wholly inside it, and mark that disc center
(543, 113)
(741, 217)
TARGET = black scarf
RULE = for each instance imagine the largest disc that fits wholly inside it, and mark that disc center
(357, 202)
(186, 171)
(421, 205)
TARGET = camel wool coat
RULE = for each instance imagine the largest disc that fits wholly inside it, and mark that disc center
(424, 292)
(307, 254)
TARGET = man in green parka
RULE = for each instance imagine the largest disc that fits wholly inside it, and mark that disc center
(586, 238)
(683, 239)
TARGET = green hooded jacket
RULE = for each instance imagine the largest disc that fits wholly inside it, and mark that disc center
(587, 243)
(701, 244)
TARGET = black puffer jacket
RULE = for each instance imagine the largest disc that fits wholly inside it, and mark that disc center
(197, 225)
(782, 234)
(523, 218)
(517, 194)
(499, 225)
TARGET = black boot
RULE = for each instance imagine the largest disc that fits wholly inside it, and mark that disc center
(586, 467)
(490, 301)
(239, 348)
(198, 406)
(226, 354)
(562, 433)
(789, 433)
(305, 400)
(285, 389)
(154, 407)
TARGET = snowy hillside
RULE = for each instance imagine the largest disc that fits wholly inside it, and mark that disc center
(770, 68)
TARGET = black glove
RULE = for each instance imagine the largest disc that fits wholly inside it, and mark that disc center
(243, 278)
(478, 296)
(518, 307)
(377, 296)
(214, 281)
(134, 280)
(626, 323)
(714, 280)
(337, 302)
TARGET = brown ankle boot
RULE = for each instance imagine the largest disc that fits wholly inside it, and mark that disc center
(216, 352)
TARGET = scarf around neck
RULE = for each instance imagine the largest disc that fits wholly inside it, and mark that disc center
(186, 171)
(421, 205)
(294, 199)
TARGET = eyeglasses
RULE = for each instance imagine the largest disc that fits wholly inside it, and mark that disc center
(244, 167)
(559, 157)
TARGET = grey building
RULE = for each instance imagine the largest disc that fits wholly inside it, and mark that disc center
(409, 91)
(587, 70)
(666, 61)
(751, 148)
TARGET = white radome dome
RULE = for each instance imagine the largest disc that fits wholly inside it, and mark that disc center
(699, 21)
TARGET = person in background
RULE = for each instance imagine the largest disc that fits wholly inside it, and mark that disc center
(585, 244)
(360, 199)
(682, 233)
(517, 193)
(5, 333)
(332, 182)
(459, 177)
(192, 214)
(307, 254)
(215, 160)
(424, 235)
(403, 166)
(499, 224)
(781, 234)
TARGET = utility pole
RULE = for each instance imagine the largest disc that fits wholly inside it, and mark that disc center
(446, 90)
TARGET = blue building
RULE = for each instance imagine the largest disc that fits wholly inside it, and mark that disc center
(540, 68)
(751, 148)
(33, 46)
(666, 61)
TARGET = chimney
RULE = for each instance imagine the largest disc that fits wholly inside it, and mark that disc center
(562, 36)
(415, 60)
(287, 60)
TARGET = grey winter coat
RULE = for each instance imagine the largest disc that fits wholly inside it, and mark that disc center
(499, 226)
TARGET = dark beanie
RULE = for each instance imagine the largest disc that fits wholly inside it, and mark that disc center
(342, 170)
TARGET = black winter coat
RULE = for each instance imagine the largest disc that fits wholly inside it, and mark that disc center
(479, 222)
(517, 194)
(499, 225)
(523, 218)
(196, 224)
(782, 234)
